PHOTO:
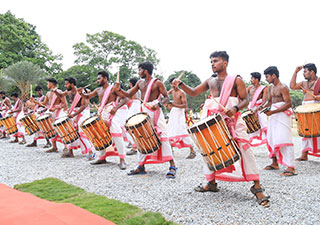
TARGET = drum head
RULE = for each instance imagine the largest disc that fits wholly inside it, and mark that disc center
(60, 120)
(308, 108)
(246, 113)
(43, 117)
(136, 119)
(205, 123)
(89, 121)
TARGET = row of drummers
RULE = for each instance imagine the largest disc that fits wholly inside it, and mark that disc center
(139, 126)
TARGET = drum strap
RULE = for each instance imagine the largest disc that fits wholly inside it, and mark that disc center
(227, 88)
(255, 96)
(317, 87)
(105, 98)
(53, 100)
(76, 100)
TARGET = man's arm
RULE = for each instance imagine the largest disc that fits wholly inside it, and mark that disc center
(293, 83)
(87, 95)
(84, 104)
(19, 108)
(128, 93)
(192, 91)
(286, 97)
(60, 93)
(122, 102)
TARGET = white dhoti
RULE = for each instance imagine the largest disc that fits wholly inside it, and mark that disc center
(83, 141)
(245, 169)
(164, 154)
(260, 137)
(21, 130)
(311, 145)
(114, 123)
(123, 113)
(280, 136)
(177, 129)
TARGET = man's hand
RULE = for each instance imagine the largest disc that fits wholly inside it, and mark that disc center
(70, 115)
(117, 86)
(113, 111)
(80, 90)
(32, 100)
(317, 97)
(268, 113)
(298, 69)
(52, 109)
(176, 82)
(231, 112)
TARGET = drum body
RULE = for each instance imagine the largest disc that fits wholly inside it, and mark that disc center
(29, 123)
(308, 120)
(143, 133)
(45, 124)
(218, 148)
(9, 123)
(97, 132)
(66, 130)
(252, 122)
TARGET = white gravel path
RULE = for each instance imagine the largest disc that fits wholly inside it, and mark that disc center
(294, 200)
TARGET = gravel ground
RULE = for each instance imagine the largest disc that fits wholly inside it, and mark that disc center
(294, 200)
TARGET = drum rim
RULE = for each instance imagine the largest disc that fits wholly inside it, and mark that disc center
(295, 110)
(137, 125)
(82, 125)
(104, 147)
(194, 129)
(56, 123)
(49, 116)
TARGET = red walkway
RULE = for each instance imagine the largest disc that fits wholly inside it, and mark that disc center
(23, 208)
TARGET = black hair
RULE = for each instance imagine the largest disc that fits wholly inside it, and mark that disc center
(256, 75)
(71, 80)
(146, 66)
(222, 54)
(14, 94)
(171, 79)
(133, 81)
(52, 80)
(272, 70)
(2, 93)
(311, 67)
(38, 88)
(104, 74)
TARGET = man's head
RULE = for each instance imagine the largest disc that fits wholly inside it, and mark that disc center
(103, 78)
(52, 83)
(145, 69)
(171, 82)
(39, 90)
(309, 71)
(14, 96)
(132, 82)
(2, 94)
(255, 78)
(69, 82)
(219, 61)
(272, 74)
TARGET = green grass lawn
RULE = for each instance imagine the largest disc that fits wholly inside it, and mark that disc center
(118, 212)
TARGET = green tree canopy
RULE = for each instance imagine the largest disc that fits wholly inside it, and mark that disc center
(22, 75)
(191, 80)
(19, 41)
(296, 97)
(109, 51)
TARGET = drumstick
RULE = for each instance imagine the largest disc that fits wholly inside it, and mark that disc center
(181, 74)
(87, 86)
(309, 92)
(30, 90)
(222, 107)
(118, 77)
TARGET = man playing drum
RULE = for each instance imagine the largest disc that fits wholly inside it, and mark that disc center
(5, 106)
(279, 135)
(18, 114)
(38, 111)
(80, 111)
(151, 89)
(258, 95)
(228, 93)
(310, 146)
(108, 108)
(56, 105)
(177, 127)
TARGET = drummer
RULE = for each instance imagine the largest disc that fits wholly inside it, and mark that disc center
(258, 94)
(310, 146)
(80, 111)
(35, 109)
(279, 135)
(231, 93)
(17, 112)
(56, 105)
(5, 106)
(108, 108)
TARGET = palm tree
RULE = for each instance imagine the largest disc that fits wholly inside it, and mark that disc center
(23, 75)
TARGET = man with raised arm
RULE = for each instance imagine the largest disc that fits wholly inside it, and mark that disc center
(109, 105)
(279, 135)
(310, 146)
(151, 90)
(230, 92)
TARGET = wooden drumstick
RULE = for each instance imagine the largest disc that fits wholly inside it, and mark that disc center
(222, 107)
(181, 74)
(309, 92)
(118, 77)
(87, 86)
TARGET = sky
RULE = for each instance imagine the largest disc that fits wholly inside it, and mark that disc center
(256, 34)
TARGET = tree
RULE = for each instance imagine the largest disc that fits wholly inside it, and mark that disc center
(110, 51)
(22, 75)
(296, 97)
(19, 41)
(191, 80)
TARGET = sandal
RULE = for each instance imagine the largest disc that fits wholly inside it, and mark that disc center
(92, 156)
(289, 173)
(271, 167)
(52, 150)
(212, 188)
(135, 172)
(172, 174)
(67, 155)
(260, 200)
(22, 142)
(48, 145)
